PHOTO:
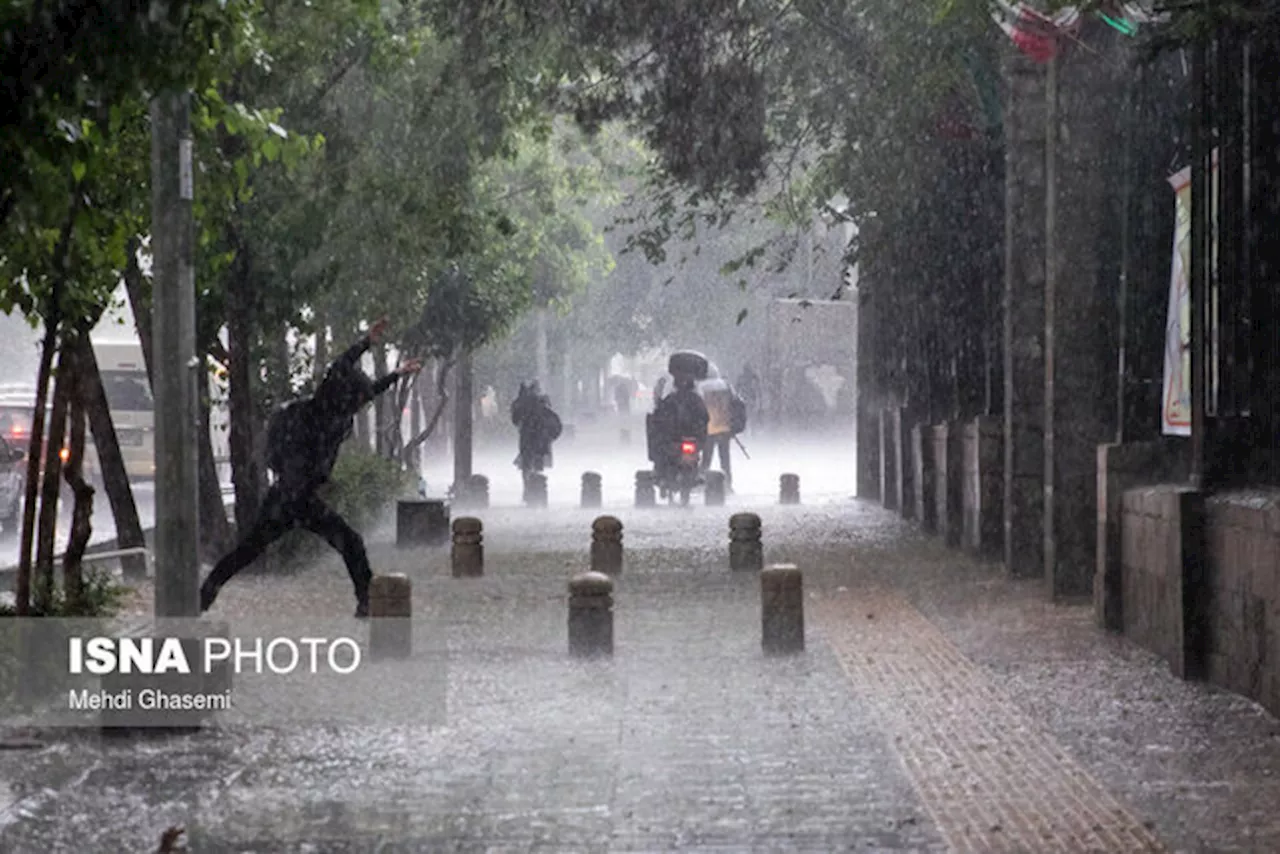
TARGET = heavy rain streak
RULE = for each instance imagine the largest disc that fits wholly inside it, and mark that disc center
(797, 425)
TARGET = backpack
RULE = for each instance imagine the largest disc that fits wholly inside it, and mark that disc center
(737, 415)
(286, 422)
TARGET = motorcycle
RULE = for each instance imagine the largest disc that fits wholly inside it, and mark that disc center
(684, 473)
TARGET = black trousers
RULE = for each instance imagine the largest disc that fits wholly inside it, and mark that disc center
(280, 514)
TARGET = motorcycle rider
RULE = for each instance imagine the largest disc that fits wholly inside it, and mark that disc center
(681, 413)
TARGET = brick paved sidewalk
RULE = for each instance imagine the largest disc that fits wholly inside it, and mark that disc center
(939, 707)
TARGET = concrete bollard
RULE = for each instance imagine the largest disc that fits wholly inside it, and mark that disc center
(421, 523)
(476, 496)
(591, 615)
(468, 548)
(789, 492)
(624, 438)
(645, 496)
(606, 545)
(715, 489)
(535, 490)
(782, 609)
(591, 492)
(390, 617)
(745, 549)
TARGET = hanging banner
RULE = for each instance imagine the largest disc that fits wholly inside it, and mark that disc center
(1176, 407)
(1175, 413)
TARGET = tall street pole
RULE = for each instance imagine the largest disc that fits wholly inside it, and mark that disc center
(176, 368)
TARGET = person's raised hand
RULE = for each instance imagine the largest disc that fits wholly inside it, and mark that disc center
(376, 331)
(410, 367)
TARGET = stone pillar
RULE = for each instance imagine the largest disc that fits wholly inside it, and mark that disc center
(888, 461)
(591, 490)
(782, 609)
(1080, 303)
(591, 615)
(714, 492)
(1023, 310)
(789, 489)
(746, 551)
(982, 499)
(535, 490)
(904, 465)
(948, 448)
(467, 555)
(390, 617)
(923, 476)
(645, 489)
(606, 545)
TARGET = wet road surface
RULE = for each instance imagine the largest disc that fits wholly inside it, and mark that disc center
(938, 706)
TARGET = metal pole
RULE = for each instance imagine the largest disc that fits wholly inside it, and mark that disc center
(176, 412)
(1196, 281)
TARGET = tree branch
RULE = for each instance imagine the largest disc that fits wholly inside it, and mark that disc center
(443, 394)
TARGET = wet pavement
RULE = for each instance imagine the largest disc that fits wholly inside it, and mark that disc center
(938, 706)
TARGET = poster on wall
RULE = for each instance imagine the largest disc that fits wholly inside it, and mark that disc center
(1175, 408)
(1175, 414)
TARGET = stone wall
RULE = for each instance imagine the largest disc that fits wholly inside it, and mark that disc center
(1242, 645)
(1201, 584)
(1120, 468)
(982, 491)
(889, 483)
(948, 452)
(1153, 569)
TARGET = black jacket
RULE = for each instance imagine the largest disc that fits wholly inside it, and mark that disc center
(683, 413)
(305, 437)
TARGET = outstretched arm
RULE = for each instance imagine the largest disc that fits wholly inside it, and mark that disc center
(351, 358)
(410, 367)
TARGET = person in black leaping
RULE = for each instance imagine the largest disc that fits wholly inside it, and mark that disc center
(303, 440)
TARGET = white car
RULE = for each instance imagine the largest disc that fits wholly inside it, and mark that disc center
(12, 478)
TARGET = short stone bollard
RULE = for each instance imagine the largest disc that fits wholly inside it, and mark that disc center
(591, 615)
(476, 495)
(535, 490)
(745, 549)
(790, 489)
(591, 492)
(645, 496)
(606, 545)
(390, 617)
(714, 494)
(782, 609)
(468, 548)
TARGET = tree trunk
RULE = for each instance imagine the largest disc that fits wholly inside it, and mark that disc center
(241, 319)
(51, 486)
(215, 530)
(280, 373)
(140, 304)
(382, 419)
(82, 514)
(115, 480)
(413, 456)
(442, 399)
(321, 360)
(22, 587)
